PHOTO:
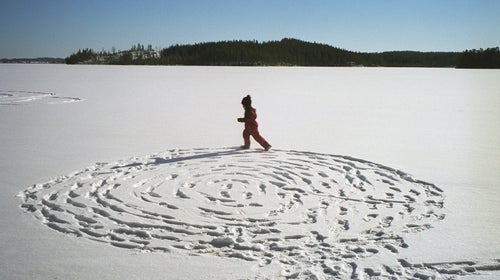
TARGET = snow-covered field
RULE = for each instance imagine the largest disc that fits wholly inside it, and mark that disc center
(133, 172)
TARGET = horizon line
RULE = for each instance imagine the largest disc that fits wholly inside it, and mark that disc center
(254, 40)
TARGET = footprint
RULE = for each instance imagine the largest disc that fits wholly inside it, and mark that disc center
(181, 194)
(225, 194)
(324, 204)
(262, 188)
(323, 174)
(306, 180)
(391, 248)
(370, 217)
(386, 222)
(311, 216)
(372, 250)
(409, 198)
(344, 224)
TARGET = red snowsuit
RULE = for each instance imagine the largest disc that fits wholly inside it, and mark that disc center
(252, 128)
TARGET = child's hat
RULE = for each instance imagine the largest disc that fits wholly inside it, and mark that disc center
(246, 101)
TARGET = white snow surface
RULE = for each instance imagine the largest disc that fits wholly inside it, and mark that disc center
(134, 173)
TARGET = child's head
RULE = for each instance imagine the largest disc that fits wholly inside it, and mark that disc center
(247, 101)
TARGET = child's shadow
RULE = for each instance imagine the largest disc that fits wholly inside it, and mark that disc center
(214, 155)
(230, 152)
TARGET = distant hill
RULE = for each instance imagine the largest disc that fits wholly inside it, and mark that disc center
(298, 53)
(40, 60)
(286, 52)
(289, 52)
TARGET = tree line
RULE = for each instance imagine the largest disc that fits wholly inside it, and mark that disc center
(38, 60)
(138, 54)
(488, 58)
(286, 52)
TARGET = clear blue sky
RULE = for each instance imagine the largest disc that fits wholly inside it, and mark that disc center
(57, 28)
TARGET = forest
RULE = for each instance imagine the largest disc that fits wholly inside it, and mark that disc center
(488, 58)
(286, 52)
(38, 60)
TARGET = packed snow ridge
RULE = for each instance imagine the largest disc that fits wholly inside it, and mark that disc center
(316, 215)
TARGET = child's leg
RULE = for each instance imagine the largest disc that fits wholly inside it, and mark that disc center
(256, 135)
(246, 138)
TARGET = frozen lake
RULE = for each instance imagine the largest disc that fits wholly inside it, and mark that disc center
(440, 125)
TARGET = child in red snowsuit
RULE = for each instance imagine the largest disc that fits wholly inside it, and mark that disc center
(251, 125)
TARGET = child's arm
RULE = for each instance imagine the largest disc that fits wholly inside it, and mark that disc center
(249, 116)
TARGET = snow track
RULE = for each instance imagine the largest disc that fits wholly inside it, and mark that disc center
(316, 215)
(15, 97)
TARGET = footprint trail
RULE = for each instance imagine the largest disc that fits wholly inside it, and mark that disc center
(316, 215)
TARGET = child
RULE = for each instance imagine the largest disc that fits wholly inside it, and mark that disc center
(251, 125)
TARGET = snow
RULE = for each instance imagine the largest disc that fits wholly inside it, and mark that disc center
(374, 172)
